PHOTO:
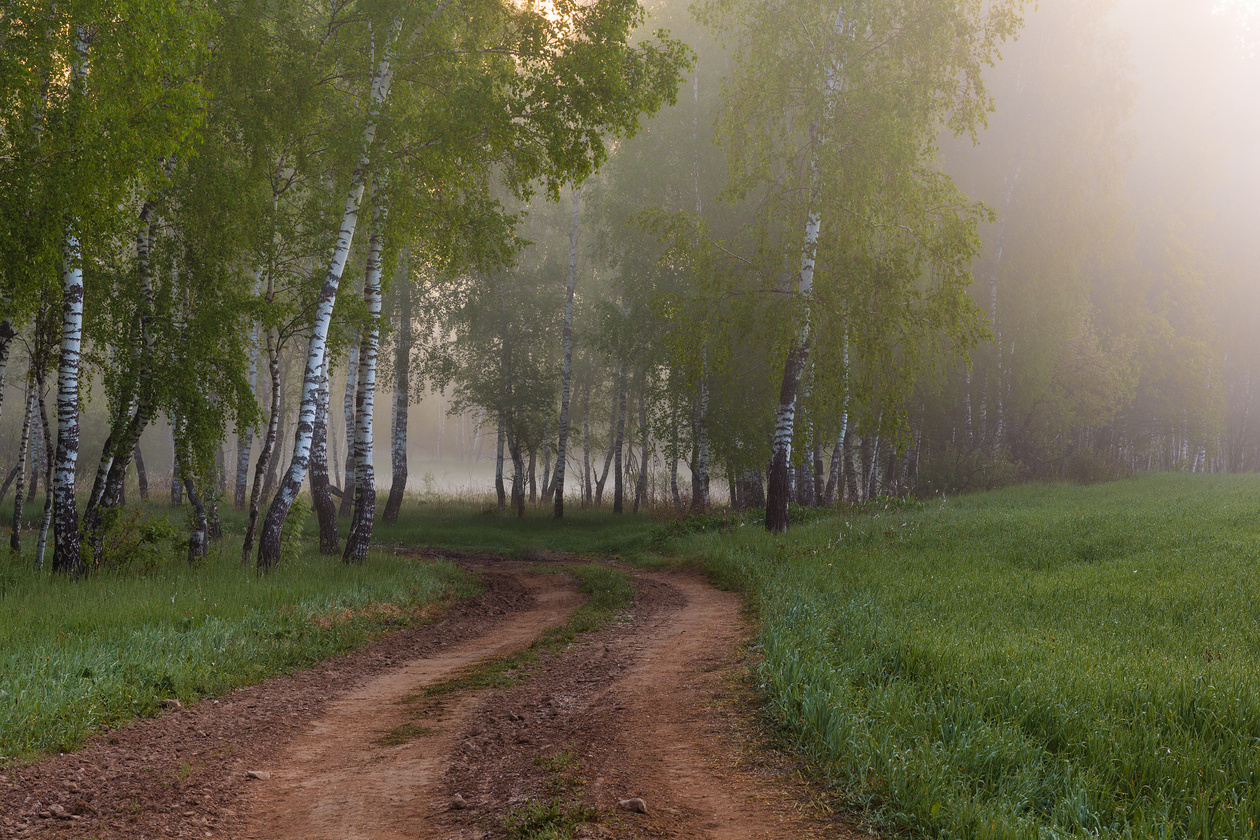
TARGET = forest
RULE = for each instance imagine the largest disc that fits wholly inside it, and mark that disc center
(817, 257)
(794, 352)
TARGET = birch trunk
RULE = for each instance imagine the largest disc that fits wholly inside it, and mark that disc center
(778, 492)
(612, 442)
(640, 489)
(673, 466)
(142, 475)
(15, 539)
(586, 445)
(566, 382)
(321, 496)
(518, 474)
(619, 481)
(269, 543)
(402, 402)
(7, 334)
(245, 437)
(499, 491)
(198, 543)
(532, 472)
(360, 536)
(352, 389)
(700, 436)
(46, 522)
(66, 557)
(269, 444)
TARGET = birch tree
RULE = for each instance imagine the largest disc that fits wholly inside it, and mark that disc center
(835, 111)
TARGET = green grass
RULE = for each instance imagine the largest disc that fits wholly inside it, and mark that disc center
(558, 813)
(79, 655)
(467, 526)
(1046, 661)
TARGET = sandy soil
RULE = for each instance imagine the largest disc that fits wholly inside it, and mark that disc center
(654, 707)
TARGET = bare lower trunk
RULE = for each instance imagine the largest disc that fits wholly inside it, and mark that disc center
(533, 476)
(7, 334)
(402, 401)
(779, 491)
(612, 444)
(352, 382)
(142, 476)
(198, 542)
(640, 489)
(66, 557)
(15, 540)
(833, 475)
(499, 491)
(619, 478)
(700, 437)
(586, 446)
(321, 495)
(269, 445)
(360, 536)
(518, 475)
(177, 479)
(851, 484)
(566, 382)
(46, 522)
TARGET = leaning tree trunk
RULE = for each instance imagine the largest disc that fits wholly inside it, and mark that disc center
(619, 481)
(269, 543)
(321, 496)
(269, 445)
(402, 401)
(566, 381)
(66, 557)
(360, 536)
(15, 540)
(779, 490)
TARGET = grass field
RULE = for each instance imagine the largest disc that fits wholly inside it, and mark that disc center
(1044, 661)
(1038, 662)
(78, 655)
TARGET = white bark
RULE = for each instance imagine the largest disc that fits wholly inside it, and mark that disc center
(566, 382)
(269, 544)
(66, 556)
(360, 535)
(798, 354)
(245, 437)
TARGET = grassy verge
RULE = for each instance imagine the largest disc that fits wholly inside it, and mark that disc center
(78, 655)
(1039, 662)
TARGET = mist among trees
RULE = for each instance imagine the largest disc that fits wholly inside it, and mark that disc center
(767, 253)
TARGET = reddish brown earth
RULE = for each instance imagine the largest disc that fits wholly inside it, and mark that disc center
(653, 707)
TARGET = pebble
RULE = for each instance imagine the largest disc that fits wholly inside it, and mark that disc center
(636, 805)
(171, 703)
(458, 803)
(260, 775)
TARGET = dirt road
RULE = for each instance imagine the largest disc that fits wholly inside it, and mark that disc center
(645, 709)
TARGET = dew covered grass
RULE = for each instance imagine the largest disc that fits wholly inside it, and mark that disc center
(79, 655)
(1044, 661)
